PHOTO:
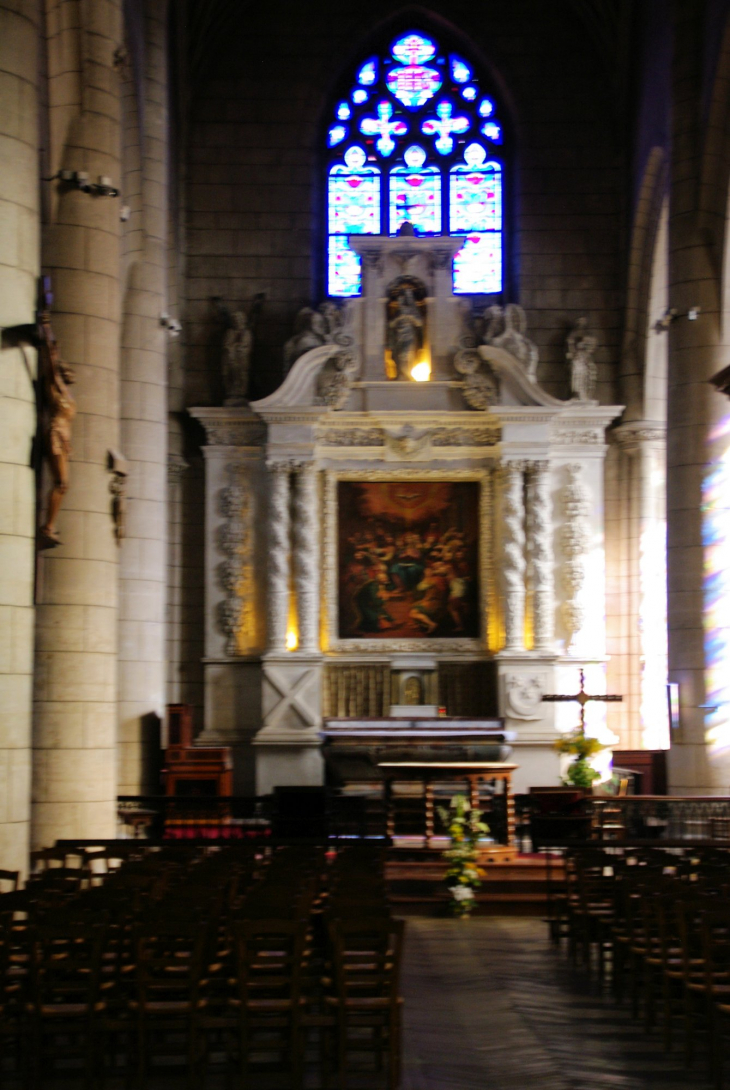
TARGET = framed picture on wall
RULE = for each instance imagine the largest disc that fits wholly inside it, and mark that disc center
(408, 560)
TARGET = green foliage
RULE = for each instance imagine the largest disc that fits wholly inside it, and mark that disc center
(577, 744)
(463, 875)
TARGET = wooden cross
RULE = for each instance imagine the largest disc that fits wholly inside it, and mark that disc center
(582, 698)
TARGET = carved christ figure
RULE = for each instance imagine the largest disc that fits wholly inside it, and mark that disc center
(57, 377)
(405, 332)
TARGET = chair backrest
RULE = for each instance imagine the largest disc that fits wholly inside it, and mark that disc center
(269, 955)
(367, 954)
(9, 878)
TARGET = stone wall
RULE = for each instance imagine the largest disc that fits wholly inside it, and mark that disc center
(255, 196)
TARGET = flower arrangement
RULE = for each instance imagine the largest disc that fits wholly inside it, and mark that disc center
(576, 743)
(463, 876)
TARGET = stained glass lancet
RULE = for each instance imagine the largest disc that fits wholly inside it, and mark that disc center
(415, 194)
(475, 210)
(450, 181)
(353, 196)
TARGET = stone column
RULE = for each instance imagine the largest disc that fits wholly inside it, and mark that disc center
(698, 453)
(143, 557)
(278, 597)
(19, 263)
(306, 556)
(540, 548)
(513, 517)
(74, 764)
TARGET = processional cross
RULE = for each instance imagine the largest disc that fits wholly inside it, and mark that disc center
(582, 698)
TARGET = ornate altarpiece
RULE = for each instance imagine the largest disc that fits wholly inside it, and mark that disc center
(274, 650)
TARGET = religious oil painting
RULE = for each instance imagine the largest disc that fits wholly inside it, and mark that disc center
(408, 559)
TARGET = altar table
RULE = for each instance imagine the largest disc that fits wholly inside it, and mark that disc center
(431, 772)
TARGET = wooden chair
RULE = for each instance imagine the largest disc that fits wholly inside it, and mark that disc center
(269, 960)
(10, 879)
(65, 979)
(169, 958)
(366, 956)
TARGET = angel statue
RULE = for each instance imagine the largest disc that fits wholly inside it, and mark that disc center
(579, 351)
(507, 329)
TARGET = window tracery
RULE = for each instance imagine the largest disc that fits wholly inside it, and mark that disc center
(416, 140)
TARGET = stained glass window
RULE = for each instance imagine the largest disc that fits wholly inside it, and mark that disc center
(422, 142)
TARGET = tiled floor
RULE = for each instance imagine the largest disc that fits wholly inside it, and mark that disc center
(490, 1005)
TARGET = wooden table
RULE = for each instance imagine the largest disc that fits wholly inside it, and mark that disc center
(431, 772)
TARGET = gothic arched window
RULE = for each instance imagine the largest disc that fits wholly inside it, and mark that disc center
(416, 139)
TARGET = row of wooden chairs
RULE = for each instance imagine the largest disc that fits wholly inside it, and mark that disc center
(656, 924)
(240, 957)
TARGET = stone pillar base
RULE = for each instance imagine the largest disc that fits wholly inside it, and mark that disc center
(288, 744)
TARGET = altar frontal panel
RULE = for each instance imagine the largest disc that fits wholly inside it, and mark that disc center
(408, 559)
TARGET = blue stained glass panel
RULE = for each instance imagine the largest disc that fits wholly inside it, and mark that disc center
(493, 131)
(344, 112)
(460, 72)
(359, 96)
(478, 264)
(442, 126)
(415, 195)
(414, 85)
(336, 135)
(368, 73)
(475, 197)
(413, 49)
(486, 108)
(354, 201)
(343, 268)
(469, 93)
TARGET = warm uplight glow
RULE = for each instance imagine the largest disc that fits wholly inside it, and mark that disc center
(421, 371)
(292, 640)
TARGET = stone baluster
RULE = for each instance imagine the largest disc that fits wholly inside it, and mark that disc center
(513, 511)
(541, 553)
(278, 560)
(306, 556)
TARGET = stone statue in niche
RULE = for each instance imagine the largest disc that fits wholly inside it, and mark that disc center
(240, 326)
(507, 328)
(56, 377)
(406, 326)
(313, 328)
(579, 351)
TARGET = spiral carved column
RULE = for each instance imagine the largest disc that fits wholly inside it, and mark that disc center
(306, 556)
(541, 554)
(513, 510)
(278, 597)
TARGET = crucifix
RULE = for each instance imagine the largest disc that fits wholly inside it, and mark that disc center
(582, 698)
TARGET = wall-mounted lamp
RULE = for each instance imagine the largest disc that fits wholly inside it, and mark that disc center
(79, 179)
(173, 327)
(671, 314)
